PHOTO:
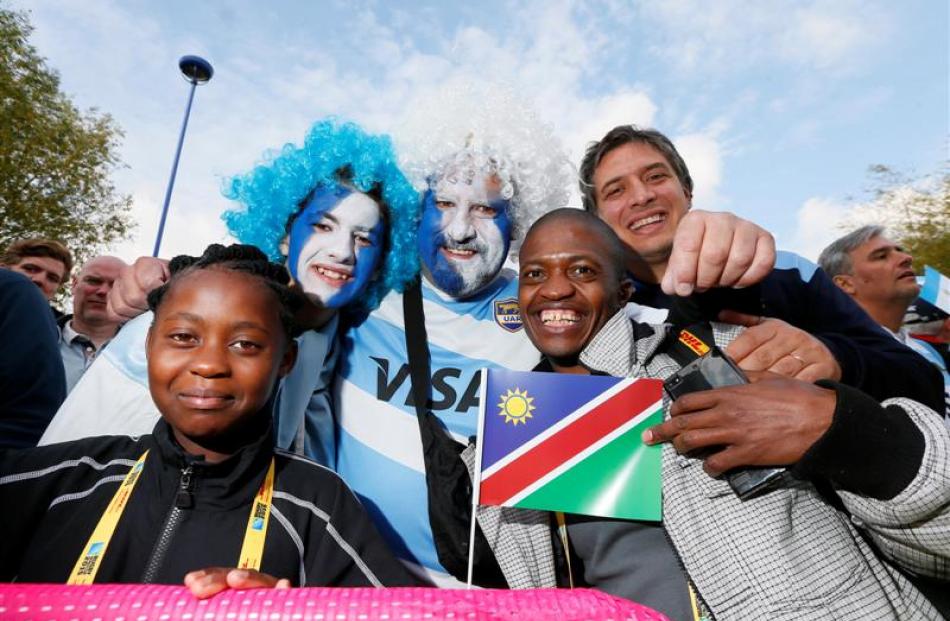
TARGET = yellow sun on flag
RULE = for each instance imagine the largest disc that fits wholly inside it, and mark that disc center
(516, 406)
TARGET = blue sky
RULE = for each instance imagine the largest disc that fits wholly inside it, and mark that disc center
(778, 106)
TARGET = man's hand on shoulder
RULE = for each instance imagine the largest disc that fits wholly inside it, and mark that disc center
(774, 345)
(717, 249)
(128, 297)
(205, 583)
(770, 422)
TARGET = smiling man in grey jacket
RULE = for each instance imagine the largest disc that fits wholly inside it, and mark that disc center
(857, 531)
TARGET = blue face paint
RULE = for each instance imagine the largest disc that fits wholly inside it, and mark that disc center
(335, 245)
(503, 221)
(431, 240)
(323, 200)
(368, 259)
(481, 238)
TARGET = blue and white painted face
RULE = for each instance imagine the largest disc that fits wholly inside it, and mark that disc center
(335, 246)
(465, 233)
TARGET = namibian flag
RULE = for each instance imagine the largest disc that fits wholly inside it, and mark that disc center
(570, 443)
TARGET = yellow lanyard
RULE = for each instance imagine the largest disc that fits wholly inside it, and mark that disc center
(693, 603)
(253, 548)
(84, 572)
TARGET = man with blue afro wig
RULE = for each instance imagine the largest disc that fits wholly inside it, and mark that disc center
(343, 179)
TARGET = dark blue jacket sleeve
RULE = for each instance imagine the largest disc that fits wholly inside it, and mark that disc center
(800, 293)
(32, 380)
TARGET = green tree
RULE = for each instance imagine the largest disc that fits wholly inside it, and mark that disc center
(55, 160)
(915, 210)
(922, 209)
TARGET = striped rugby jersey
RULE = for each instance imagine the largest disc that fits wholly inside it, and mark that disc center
(379, 451)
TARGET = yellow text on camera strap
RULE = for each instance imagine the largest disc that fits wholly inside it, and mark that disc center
(253, 548)
(84, 572)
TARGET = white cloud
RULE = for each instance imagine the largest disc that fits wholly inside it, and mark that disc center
(818, 223)
(588, 121)
(602, 114)
(899, 206)
(830, 35)
(703, 155)
(820, 220)
(729, 36)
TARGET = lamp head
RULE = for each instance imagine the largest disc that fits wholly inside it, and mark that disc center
(195, 69)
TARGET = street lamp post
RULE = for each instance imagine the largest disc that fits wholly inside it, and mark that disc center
(197, 71)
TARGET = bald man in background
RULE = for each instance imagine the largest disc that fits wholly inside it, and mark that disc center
(84, 333)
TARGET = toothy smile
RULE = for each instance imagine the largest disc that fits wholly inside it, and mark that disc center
(332, 275)
(458, 253)
(642, 222)
(559, 317)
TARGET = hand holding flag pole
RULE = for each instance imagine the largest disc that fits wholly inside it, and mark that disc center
(570, 443)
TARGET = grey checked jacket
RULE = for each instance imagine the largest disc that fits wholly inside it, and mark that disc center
(786, 554)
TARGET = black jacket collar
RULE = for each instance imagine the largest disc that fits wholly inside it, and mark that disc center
(224, 485)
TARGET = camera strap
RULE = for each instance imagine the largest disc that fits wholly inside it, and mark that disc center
(687, 344)
(448, 483)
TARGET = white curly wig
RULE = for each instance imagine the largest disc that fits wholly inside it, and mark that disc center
(483, 127)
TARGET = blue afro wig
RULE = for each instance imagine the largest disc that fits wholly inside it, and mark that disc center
(333, 151)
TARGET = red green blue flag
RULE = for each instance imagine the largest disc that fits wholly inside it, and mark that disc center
(570, 443)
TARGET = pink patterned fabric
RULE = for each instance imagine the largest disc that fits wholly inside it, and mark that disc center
(137, 602)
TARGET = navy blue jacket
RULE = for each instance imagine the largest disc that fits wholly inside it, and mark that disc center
(800, 293)
(32, 380)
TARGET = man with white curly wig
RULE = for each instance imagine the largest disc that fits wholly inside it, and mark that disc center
(488, 169)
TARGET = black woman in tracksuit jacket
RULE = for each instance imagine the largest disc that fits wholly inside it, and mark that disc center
(183, 514)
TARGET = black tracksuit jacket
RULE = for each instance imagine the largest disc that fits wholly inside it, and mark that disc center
(52, 497)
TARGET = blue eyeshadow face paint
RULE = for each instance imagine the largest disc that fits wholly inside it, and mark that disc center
(335, 245)
(464, 235)
(431, 240)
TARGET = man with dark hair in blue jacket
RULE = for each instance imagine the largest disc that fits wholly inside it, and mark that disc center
(636, 181)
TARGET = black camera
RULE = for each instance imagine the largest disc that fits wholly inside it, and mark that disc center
(715, 370)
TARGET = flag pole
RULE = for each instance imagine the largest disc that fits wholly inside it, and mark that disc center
(476, 483)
